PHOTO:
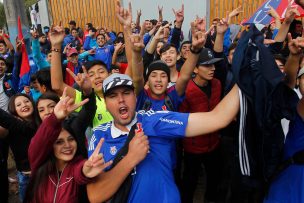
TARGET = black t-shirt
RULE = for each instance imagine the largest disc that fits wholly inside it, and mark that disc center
(206, 89)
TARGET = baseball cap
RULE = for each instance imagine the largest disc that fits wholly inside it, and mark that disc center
(157, 65)
(301, 72)
(116, 80)
(72, 51)
(206, 57)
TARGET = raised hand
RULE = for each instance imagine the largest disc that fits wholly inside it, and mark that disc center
(160, 32)
(124, 16)
(201, 23)
(95, 164)
(56, 35)
(83, 80)
(179, 15)
(137, 42)
(222, 26)
(35, 34)
(138, 148)
(235, 12)
(160, 9)
(272, 12)
(18, 45)
(139, 12)
(118, 47)
(291, 12)
(295, 46)
(198, 37)
(67, 48)
(66, 106)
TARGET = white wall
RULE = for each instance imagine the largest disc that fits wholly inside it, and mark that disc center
(150, 11)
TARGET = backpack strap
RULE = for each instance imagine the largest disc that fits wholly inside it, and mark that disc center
(168, 103)
(147, 104)
(124, 150)
(122, 193)
(297, 158)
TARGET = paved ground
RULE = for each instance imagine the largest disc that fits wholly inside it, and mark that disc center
(13, 187)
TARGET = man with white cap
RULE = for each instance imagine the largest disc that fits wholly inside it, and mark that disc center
(152, 178)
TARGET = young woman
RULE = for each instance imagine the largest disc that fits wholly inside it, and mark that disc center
(21, 124)
(58, 169)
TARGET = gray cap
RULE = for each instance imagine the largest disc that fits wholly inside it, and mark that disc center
(301, 72)
(116, 80)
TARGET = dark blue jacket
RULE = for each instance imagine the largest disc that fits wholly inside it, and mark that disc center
(265, 100)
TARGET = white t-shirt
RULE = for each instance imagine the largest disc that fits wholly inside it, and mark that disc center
(3, 97)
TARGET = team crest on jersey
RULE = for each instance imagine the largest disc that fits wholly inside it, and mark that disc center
(113, 150)
(99, 116)
(7, 85)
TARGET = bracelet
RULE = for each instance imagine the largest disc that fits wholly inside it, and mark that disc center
(195, 52)
(56, 50)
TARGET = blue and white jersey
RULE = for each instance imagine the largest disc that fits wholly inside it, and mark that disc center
(153, 179)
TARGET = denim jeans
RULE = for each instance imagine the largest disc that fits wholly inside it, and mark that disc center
(23, 180)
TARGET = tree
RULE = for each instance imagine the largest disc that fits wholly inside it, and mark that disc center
(2, 16)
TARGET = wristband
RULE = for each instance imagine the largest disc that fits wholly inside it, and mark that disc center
(56, 50)
(195, 52)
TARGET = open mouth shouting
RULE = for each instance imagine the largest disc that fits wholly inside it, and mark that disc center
(123, 112)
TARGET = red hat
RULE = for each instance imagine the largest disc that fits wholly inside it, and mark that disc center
(71, 51)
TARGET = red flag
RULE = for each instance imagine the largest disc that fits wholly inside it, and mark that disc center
(25, 65)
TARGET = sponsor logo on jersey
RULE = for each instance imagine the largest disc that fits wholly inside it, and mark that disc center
(171, 121)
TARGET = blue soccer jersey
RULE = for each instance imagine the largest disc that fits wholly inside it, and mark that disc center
(159, 104)
(153, 179)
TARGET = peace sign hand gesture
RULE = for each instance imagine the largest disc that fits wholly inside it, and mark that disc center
(66, 106)
(95, 164)
(83, 80)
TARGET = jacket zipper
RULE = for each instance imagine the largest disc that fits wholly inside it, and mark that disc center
(57, 185)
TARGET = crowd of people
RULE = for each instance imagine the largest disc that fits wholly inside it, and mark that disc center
(140, 115)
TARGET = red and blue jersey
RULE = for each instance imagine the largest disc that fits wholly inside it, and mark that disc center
(153, 179)
(159, 104)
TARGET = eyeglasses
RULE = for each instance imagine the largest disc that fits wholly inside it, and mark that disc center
(2, 64)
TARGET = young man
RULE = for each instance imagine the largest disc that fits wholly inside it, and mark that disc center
(7, 51)
(162, 128)
(158, 75)
(103, 51)
(97, 72)
(184, 53)
(203, 93)
(72, 64)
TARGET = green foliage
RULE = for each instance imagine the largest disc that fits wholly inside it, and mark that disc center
(2, 16)
(28, 3)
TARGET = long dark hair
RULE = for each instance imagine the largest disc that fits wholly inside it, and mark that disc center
(12, 108)
(39, 179)
(34, 191)
(47, 95)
